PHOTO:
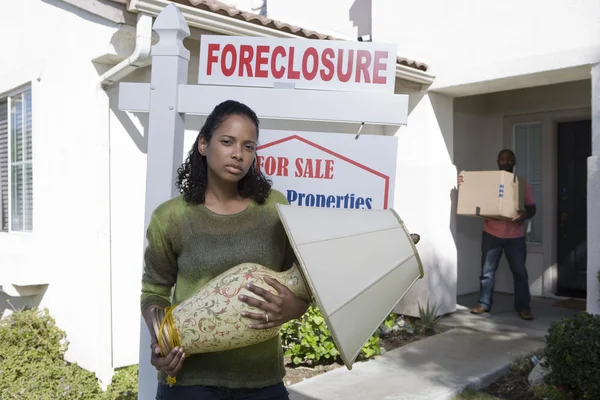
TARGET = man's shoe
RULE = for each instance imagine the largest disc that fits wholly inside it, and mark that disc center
(526, 314)
(478, 310)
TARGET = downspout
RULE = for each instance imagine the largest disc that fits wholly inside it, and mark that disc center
(140, 56)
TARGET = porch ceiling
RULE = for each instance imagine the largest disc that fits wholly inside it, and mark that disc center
(516, 82)
(538, 70)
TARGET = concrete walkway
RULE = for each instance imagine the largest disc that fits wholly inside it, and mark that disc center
(477, 351)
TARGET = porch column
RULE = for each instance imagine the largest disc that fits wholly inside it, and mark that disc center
(425, 162)
(593, 199)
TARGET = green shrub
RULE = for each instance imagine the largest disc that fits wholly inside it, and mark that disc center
(32, 364)
(573, 355)
(307, 341)
(124, 384)
(549, 392)
(390, 320)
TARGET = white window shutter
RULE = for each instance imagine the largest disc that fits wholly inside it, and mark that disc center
(3, 165)
(28, 162)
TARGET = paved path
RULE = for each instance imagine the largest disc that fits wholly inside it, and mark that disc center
(472, 355)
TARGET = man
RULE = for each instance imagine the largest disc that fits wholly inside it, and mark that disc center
(507, 236)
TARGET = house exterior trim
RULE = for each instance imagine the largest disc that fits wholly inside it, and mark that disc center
(414, 75)
(112, 11)
(225, 25)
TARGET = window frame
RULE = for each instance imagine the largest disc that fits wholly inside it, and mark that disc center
(539, 204)
(8, 96)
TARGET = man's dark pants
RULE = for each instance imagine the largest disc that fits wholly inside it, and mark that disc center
(516, 255)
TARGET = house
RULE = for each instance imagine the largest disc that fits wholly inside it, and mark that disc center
(480, 77)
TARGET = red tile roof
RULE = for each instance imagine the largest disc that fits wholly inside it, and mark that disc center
(218, 7)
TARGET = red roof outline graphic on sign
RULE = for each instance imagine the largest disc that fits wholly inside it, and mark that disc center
(385, 178)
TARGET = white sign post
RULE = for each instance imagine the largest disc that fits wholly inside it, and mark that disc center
(364, 95)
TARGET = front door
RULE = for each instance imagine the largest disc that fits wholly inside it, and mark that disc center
(574, 147)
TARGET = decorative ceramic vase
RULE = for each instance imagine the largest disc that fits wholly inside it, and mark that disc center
(211, 320)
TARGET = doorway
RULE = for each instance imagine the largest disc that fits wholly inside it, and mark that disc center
(574, 148)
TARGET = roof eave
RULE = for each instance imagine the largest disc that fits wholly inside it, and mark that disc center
(226, 25)
(414, 75)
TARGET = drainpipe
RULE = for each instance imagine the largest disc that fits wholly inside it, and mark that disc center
(593, 201)
(139, 57)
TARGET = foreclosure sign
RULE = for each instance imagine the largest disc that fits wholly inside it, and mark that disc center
(330, 170)
(308, 64)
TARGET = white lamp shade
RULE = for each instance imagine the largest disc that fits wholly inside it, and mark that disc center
(357, 263)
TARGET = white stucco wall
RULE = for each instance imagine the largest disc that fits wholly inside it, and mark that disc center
(424, 197)
(69, 246)
(344, 19)
(481, 129)
(127, 190)
(471, 47)
(468, 42)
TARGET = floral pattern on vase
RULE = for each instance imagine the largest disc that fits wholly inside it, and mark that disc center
(211, 319)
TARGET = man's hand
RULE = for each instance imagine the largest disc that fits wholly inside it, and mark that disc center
(521, 217)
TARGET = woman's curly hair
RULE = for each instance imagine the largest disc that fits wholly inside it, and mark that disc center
(193, 174)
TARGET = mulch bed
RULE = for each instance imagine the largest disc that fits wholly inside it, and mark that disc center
(295, 374)
(514, 386)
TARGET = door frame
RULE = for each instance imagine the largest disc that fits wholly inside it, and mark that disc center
(556, 197)
(548, 208)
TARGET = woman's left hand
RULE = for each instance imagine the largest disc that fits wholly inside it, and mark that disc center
(278, 308)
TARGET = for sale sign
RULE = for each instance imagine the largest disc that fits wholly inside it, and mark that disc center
(330, 170)
(308, 64)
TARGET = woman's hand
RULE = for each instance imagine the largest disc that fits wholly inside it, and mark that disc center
(278, 309)
(171, 364)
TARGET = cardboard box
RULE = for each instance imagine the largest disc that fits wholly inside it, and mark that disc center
(490, 194)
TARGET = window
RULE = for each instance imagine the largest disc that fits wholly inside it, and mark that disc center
(16, 177)
(528, 150)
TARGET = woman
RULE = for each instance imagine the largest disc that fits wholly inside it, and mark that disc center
(225, 216)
